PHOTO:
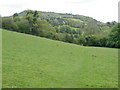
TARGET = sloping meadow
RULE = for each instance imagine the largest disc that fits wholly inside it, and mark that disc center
(35, 62)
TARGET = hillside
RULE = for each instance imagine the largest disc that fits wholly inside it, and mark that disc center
(86, 25)
(76, 29)
(35, 62)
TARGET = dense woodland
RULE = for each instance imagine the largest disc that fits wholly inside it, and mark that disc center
(77, 29)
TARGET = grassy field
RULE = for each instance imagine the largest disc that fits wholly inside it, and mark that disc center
(35, 62)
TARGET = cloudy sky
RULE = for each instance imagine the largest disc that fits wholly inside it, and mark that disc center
(102, 10)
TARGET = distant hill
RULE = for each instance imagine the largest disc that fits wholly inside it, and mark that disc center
(77, 29)
(86, 24)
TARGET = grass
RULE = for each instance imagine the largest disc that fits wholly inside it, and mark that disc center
(35, 62)
(78, 20)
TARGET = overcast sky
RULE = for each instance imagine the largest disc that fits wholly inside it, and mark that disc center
(102, 10)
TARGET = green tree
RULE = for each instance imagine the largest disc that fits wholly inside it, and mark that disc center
(32, 17)
(16, 17)
(103, 41)
(91, 40)
(65, 29)
(69, 38)
(81, 40)
(15, 14)
(23, 26)
(114, 37)
(8, 23)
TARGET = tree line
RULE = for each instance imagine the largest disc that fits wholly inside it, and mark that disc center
(33, 23)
